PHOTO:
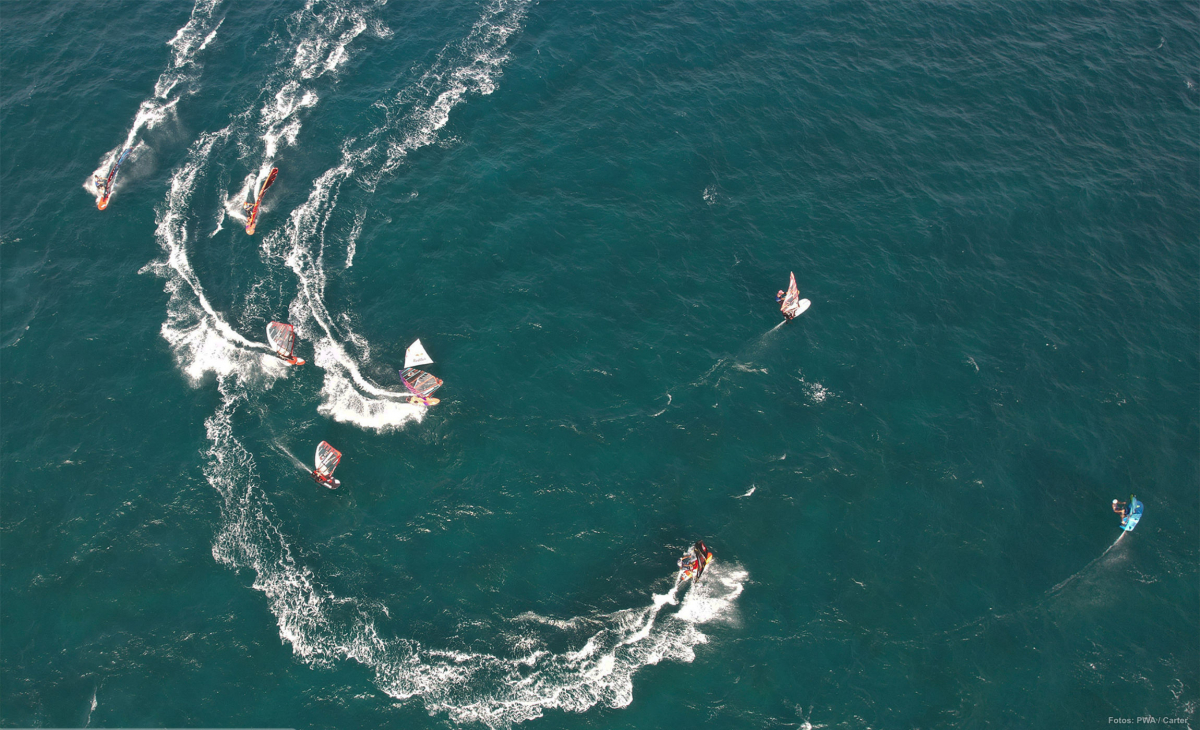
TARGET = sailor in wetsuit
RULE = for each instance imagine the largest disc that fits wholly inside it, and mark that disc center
(779, 295)
(689, 565)
(689, 562)
(1121, 508)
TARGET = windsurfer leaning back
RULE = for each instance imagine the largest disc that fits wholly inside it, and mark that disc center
(693, 561)
(1121, 508)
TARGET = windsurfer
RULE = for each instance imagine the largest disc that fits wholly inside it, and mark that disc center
(693, 562)
(327, 459)
(790, 303)
(689, 561)
(1121, 508)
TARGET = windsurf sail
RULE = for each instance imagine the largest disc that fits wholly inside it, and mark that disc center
(282, 338)
(419, 382)
(106, 186)
(416, 355)
(703, 555)
(327, 459)
(791, 300)
(1135, 514)
(258, 200)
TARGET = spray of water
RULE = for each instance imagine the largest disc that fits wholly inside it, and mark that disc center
(493, 688)
(176, 80)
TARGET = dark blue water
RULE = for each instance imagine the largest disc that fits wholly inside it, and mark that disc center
(583, 211)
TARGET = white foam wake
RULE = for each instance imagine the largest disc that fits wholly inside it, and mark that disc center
(468, 687)
(320, 34)
(202, 341)
(498, 689)
(472, 66)
(175, 81)
(499, 692)
(414, 118)
(495, 689)
(200, 338)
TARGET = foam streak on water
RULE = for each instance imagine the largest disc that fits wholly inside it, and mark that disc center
(320, 34)
(175, 81)
(321, 627)
(199, 336)
(473, 64)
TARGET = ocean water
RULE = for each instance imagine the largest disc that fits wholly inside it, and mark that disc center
(584, 211)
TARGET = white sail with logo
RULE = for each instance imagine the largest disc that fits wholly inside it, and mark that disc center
(416, 355)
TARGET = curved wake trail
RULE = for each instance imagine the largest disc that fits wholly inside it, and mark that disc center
(172, 84)
(320, 32)
(200, 338)
(1084, 569)
(497, 690)
(415, 116)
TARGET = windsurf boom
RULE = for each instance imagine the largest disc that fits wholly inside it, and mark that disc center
(283, 340)
(105, 186)
(327, 459)
(421, 384)
(793, 305)
(258, 201)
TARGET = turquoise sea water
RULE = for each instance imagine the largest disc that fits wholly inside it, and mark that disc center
(584, 211)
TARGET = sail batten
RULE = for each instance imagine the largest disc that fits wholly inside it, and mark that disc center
(791, 300)
(282, 338)
(327, 459)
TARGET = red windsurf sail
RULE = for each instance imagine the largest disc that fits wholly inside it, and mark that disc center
(258, 200)
(419, 382)
(282, 338)
(327, 459)
(106, 186)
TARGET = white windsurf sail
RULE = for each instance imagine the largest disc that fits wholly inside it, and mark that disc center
(327, 459)
(416, 355)
(282, 338)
